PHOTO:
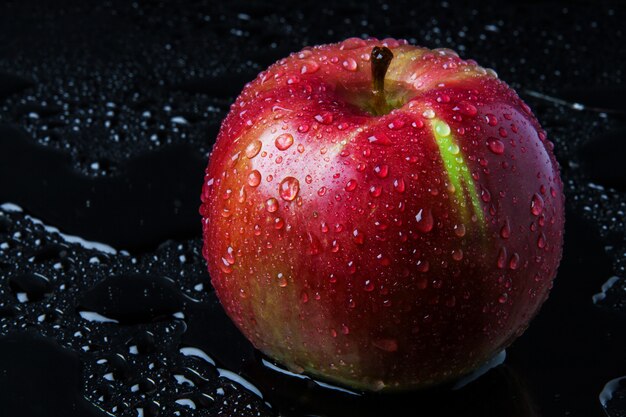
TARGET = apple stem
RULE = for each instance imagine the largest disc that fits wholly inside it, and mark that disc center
(381, 58)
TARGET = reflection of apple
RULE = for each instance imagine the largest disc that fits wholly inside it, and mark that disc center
(383, 228)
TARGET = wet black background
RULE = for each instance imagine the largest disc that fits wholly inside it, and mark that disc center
(107, 113)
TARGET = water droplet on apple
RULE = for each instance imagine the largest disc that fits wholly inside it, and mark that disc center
(442, 128)
(225, 266)
(387, 345)
(457, 254)
(241, 198)
(351, 185)
(284, 141)
(309, 67)
(289, 188)
(271, 204)
(279, 223)
(314, 244)
(425, 221)
(254, 178)
(467, 109)
(422, 266)
(350, 64)
(454, 150)
(496, 146)
(501, 257)
(382, 170)
(541, 241)
(253, 149)
(281, 279)
(505, 231)
(459, 230)
(324, 118)
(379, 139)
(321, 192)
(399, 185)
(396, 124)
(503, 298)
(230, 256)
(421, 283)
(359, 238)
(368, 285)
(536, 205)
(514, 261)
(376, 190)
(491, 119)
(429, 114)
(485, 195)
(304, 297)
(352, 43)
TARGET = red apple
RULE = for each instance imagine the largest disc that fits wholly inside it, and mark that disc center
(381, 228)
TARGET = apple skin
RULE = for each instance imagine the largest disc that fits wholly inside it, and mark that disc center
(381, 252)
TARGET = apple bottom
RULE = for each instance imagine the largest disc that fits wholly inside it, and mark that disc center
(419, 338)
